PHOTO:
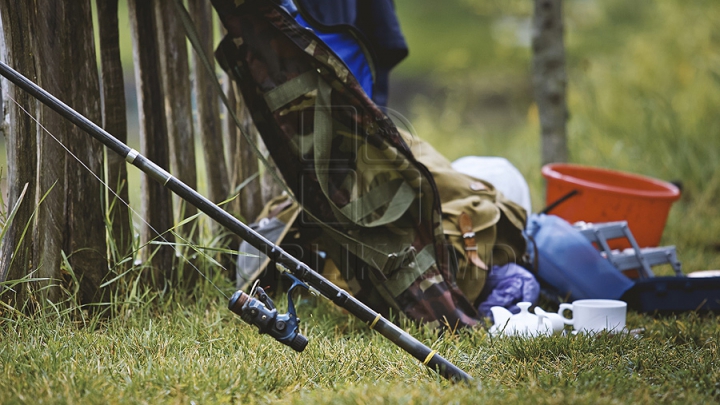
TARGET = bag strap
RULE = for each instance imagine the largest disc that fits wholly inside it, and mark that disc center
(396, 194)
(411, 269)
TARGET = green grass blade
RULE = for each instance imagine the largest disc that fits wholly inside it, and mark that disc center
(13, 212)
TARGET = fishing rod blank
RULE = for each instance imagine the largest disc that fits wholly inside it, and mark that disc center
(250, 309)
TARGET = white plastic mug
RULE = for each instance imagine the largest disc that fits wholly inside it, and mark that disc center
(593, 316)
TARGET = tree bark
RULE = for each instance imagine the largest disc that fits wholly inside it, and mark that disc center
(550, 78)
(175, 70)
(85, 237)
(251, 198)
(269, 187)
(16, 251)
(208, 106)
(156, 202)
(230, 139)
(115, 122)
(51, 44)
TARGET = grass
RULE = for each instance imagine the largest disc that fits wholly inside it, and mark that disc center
(174, 349)
(644, 93)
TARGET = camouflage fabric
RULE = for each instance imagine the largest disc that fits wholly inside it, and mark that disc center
(346, 163)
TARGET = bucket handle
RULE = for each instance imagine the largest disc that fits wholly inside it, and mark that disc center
(559, 201)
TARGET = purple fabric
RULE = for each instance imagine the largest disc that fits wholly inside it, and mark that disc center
(506, 286)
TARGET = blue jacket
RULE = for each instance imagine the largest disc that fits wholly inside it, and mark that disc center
(372, 22)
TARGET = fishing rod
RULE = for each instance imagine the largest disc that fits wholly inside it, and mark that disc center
(256, 308)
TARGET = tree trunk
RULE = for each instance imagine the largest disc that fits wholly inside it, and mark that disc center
(270, 188)
(550, 79)
(16, 249)
(208, 106)
(51, 44)
(251, 199)
(85, 237)
(230, 139)
(115, 122)
(156, 201)
(178, 104)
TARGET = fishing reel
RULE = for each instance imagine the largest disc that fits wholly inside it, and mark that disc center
(261, 312)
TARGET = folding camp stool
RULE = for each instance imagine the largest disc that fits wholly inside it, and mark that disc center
(634, 257)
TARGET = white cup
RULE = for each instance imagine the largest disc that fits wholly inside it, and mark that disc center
(594, 316)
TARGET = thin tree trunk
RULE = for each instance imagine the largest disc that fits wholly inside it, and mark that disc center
(208, 106)
(85, 238)
(269, 187)
(157, 203)
(50, 225)
(550, 79)
(251, 199)
(16, 250)
(178, 104)
(115, 122)
(230, 139)
(52, 43)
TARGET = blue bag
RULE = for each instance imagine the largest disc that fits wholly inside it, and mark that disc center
(668, 295)
(568, 263)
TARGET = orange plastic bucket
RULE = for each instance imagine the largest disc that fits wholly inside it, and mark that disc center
(606, 195)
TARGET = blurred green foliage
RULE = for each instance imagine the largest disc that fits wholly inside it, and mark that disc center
(643, 95)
